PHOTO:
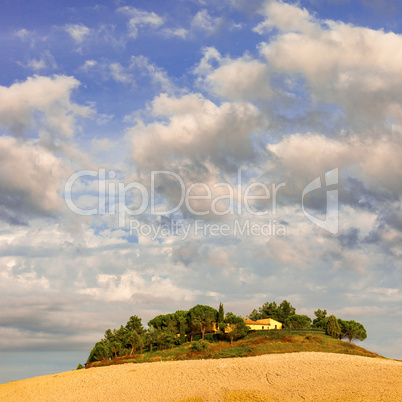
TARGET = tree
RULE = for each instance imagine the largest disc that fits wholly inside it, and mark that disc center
(202, 318)
(352, 330)
(268, 310)
(150, 338)
(333, 329)
(182, 324)
(99, 352)
(221, 314)
(236, 326)
(297, 321)
(284, 311)
(134, 324)
(272, 310)
(133, 338)
(109, 336)
(115, 348)
(321, 320)
(255, 315)
(320, 315)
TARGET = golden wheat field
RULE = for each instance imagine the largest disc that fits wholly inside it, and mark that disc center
(308, 376)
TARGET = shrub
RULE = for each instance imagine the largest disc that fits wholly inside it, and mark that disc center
(199, 345)
(313, 338)
(79, 367)
(209, 337)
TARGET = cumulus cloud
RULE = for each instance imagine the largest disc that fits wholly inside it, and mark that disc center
(285, 17)
(197, 130)
(30, 183)
(132, 286)
(300, 157)
(360, 70)
(42, 104)
(244, 78)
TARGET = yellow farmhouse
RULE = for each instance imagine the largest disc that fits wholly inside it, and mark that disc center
(267, 323)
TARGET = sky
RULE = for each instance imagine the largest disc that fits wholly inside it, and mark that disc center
(156, 155)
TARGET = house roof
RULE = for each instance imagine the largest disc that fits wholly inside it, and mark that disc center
(265, 321)
(250, 322)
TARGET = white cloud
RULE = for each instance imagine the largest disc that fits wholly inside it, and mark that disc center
(78, 32)
(286, 17)
(46, 61)
(240, 79)
(120, 74)
(89, 64)
(306, 156)
(158, 75)
(42, 104)
(176, 33)
(141, 19)
(205, 22)
(131, 286)
(30, 182)
(197, 131)
(360, 70)
(22, 33)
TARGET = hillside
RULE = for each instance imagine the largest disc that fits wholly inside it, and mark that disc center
(254, 344)
(280, 377)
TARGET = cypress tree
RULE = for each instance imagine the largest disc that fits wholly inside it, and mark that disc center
(333, 329)
(221, 314)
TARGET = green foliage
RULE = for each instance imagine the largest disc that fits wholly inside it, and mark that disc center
(201, 318)
(115, 347)
(100, 351)
(321, 319)
(221, 313)
(321, 324)
(181, 317)
(199, 345)
(209, 337)
(333, 329)
(79, 367)
(352, 330)
(236, 326)
(134, 339)
(134, 324)
(272, 310)
(297, 321)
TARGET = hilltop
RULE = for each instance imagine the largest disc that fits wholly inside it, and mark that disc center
(255, 343)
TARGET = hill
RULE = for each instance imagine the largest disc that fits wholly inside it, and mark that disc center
(279, 377)
(254, 344)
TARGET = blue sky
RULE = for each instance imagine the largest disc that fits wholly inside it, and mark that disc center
(284, 92)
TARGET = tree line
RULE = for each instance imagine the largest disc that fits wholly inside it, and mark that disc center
(168, 330)
(286, 314)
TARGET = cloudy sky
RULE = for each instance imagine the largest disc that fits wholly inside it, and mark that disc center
(278, 93)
